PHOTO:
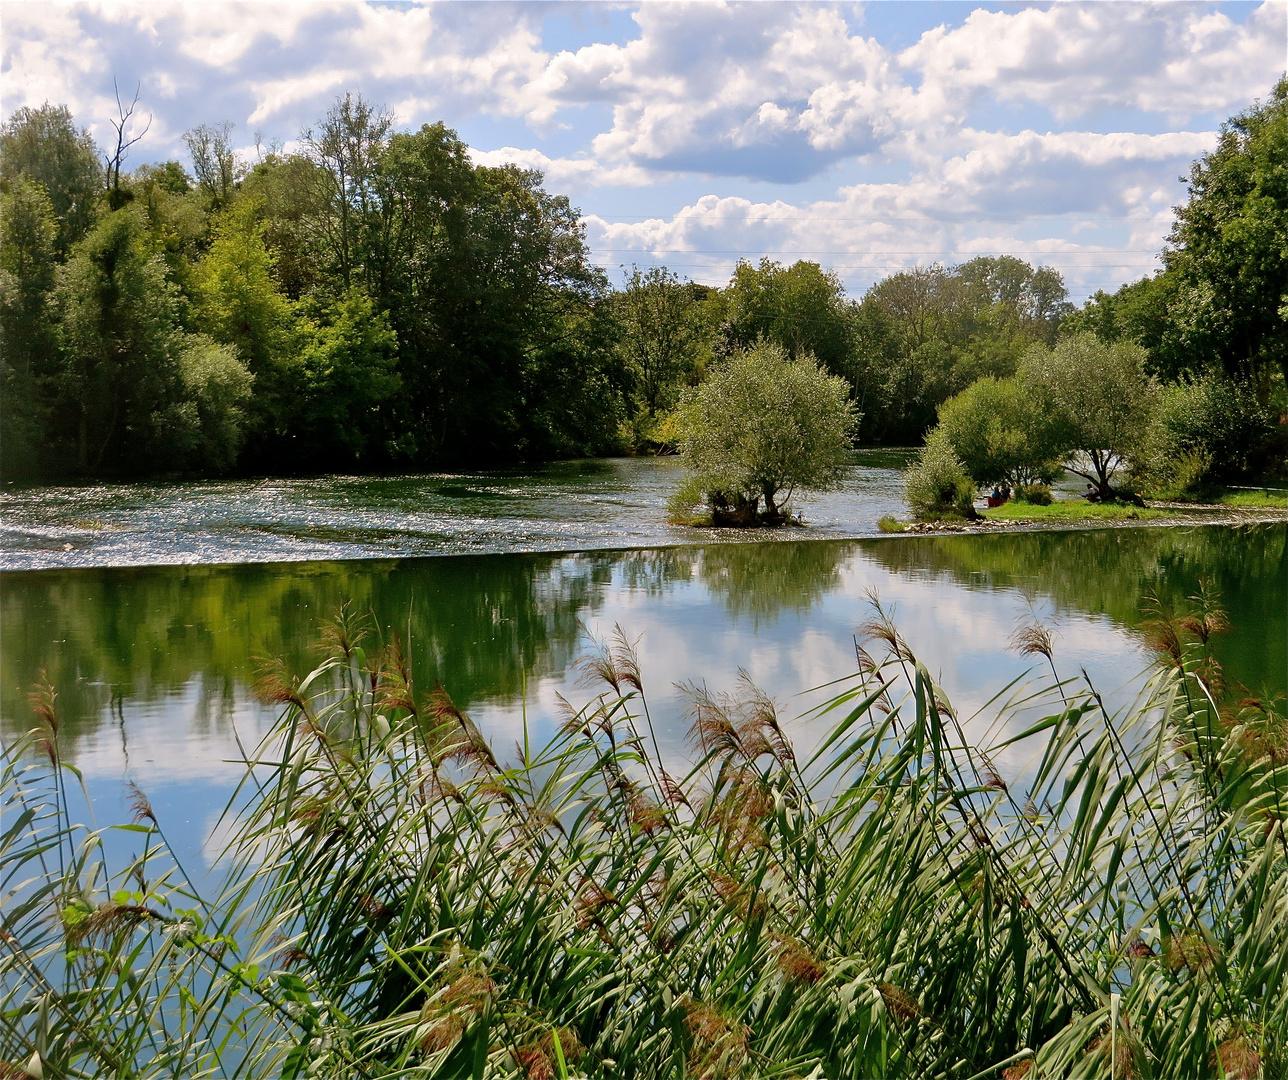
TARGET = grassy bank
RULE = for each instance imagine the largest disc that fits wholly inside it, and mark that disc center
(1268, 499)
(895, 902)
(1071, 510)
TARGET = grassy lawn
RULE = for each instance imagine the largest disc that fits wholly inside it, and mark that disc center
(1255, 499)
(1071, 510)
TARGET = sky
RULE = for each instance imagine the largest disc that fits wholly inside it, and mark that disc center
(869, 138)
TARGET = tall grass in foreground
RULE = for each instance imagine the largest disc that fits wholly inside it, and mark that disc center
(402, 902)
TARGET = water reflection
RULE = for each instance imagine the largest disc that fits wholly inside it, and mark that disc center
(153, 666)
(1109, 571)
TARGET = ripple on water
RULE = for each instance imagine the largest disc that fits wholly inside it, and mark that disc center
(589, 505)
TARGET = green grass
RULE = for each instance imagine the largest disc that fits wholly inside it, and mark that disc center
(1071, 510)
(1256, 499)
(899, 900)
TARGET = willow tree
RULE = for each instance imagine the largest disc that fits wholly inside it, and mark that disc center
(1100, 400)
(763, 427)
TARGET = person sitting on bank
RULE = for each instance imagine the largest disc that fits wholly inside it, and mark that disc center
(1092, 494)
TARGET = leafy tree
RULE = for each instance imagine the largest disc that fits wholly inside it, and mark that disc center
(1217, 418)
(938, 329)
(287, 191)
(1002, 433)
(763, 426)
(487, 280)
(800, 307)
(120, 369)
(348, 356)
(28, 344)
(1228, 249)
(178, 223)
(214, 163)
(208, 425)
(45, 145)
(345, 148)
(1013, 299)
(239, 304)
(1139, 312)
(577, 388)
(1100, 401)
(660, 336)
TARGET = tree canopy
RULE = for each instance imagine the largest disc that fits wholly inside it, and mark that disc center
(388, 304)
(1228, 251)
(766, 425)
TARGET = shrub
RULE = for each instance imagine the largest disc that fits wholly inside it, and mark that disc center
(1184, 477)
(1035, 494)
(1002, 433)
(888, 523)
(1217, 422)
(936, 484)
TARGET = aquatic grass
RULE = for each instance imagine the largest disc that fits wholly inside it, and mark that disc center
(402, 900)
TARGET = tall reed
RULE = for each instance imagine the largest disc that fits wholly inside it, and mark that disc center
(403, 901)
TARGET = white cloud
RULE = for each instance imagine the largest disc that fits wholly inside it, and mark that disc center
(1044, 197)
(995, 131)
(1178, 60)
(563, 172)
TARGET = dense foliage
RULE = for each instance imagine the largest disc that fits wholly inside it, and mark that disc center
(890, 901)
(763, 426)
(382, 303)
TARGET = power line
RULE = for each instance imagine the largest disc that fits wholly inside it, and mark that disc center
(742, 252)
(872, 219)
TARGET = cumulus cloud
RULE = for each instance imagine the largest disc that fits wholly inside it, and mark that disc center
(1095, 206)
(561, 172)
(1032, 129)
(770, 91)
(1178, 60)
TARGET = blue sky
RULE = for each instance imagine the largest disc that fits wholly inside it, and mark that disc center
(868, 137)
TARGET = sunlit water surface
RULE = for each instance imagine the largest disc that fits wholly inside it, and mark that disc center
(561, 506)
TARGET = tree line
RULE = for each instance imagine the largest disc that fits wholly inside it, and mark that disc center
(1175, 384)
(375, 301)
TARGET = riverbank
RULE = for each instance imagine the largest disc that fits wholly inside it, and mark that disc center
(1077, 514)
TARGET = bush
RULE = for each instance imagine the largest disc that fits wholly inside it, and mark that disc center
(208, 427)
(1034, 494)
(1215, 421)
(1002, 433)
(936, 484)
(888, 523)
(1184, 477)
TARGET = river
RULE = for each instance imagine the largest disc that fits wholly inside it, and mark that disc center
(152, 623)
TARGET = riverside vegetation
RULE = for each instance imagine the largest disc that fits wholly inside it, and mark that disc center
(400, 901)
(376, 302)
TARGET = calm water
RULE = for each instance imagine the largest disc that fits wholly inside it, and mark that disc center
(153, 664)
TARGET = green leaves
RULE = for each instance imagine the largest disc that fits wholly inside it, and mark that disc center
(764, 425)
